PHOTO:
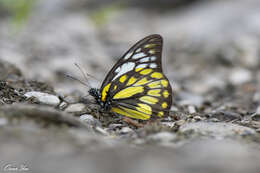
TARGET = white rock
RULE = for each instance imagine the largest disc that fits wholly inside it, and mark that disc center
(191, 109)
(75, 107)
(163, 137)
(43, 98)
(90, 120)
(126, 130)
(102, 131)
(240, 76)
(168, 124)
(197, 118)
(63, 105)
(86, 117)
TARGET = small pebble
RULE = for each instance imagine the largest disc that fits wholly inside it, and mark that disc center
(197, 118)
(114, 126)
(162, 137)
(63, 105)
(90, 120)
(169, 124)
(43, 98)
(191, 109)
(214, 120)
(126, 130)
(101, 131)
(78, 107)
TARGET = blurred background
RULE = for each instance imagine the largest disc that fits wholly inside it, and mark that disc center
(211, 55)
(208, 45)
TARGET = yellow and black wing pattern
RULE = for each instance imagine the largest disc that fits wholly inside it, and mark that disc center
(136, 86)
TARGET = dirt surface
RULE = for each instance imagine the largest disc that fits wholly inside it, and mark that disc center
(48, 122)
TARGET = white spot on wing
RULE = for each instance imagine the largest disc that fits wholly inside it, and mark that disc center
(138, 50)
(128, 55)
(141, 66)
(139, 55)
(153, 65)
(153, 58)
(144, 59)
(118, 69)
(124, 69)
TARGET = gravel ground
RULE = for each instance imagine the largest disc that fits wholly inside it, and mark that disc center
(211, 57)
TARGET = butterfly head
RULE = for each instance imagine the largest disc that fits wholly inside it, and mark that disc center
(105, 105)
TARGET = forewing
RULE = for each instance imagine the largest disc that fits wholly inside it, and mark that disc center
(144, 54)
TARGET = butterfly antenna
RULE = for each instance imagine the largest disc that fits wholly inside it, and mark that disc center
(71, 77)
(92, 77)
(86, 75)
(83, 73)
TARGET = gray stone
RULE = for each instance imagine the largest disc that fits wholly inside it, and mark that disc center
(115, 126)
(63, 105)
(169, 124)
(191, 109)
(126, 130)
(90, 120)
(101, 131)
(197, 118)
(43, 98)
(217, 129)
(78, 107)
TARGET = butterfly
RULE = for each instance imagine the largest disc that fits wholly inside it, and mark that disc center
(136, 87)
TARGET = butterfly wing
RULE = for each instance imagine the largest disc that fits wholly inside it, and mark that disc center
(136, 83)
